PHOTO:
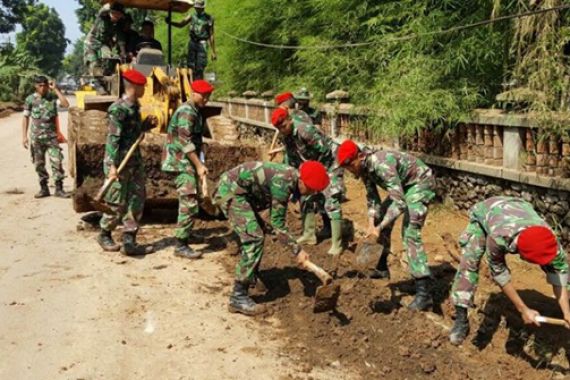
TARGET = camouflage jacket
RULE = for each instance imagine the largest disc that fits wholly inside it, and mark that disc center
(200, 26)
(105, 32)
(43, 112)
(307, 142)
(396, 173)
(264, 185)
(184, 135)
(300, 116)
(314, 114)
(502, 219)
(125, 127)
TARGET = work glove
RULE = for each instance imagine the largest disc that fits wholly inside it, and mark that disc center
(149, 123)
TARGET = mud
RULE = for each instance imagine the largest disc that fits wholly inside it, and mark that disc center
(372, 331)
(160, 187)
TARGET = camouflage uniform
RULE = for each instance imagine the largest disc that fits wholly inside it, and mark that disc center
(184, 135)
(409, 183)
(314, 115)
(43, 112)
(493, 229)
(126, 196)
(244, 191)
(200, 27)
(307, 142)
(101, 40)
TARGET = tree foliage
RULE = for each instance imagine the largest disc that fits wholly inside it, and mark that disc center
(11, 13)
(73, 63)
(406, 83)
(17, 69)
(43, 37)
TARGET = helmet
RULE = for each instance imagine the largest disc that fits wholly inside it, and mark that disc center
(303, 94)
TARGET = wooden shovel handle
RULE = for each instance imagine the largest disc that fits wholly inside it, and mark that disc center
(318, 271)
(204, 187)
(121, 167)
(272, 147)
(551, 321)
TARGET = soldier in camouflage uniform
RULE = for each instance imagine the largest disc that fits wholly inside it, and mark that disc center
(250, 188)
(410, 184)
(303, 98)
(303, 141)
(41, 107)
(201, 35)
(287, 101)
(126, 196)
(181, 155)
(497, 227)
(106, 33)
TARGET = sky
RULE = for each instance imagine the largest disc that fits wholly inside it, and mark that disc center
(66, 10)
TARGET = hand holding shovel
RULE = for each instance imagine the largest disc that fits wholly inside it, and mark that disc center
(326, 296)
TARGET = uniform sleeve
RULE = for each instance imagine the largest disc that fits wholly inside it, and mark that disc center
(388, 171)
(557, 271)
(373, 200)
(116, 120)
(185, 122)
(28, 107)
(314, 137)
(497, 264)
(97, 33)
(279, 201)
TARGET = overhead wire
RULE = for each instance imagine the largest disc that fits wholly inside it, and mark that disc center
(397, 39)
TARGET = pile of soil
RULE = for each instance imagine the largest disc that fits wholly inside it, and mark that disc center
(373, 333)
(8, 108)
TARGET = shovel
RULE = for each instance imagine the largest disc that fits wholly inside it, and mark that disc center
(207, 203)
(108, 182)
(367, 252)
(551, 321)
(326, 297)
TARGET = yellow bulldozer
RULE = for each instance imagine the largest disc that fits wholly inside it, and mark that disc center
(167, 87)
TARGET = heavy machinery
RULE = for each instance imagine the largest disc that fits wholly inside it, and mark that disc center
(166, 88)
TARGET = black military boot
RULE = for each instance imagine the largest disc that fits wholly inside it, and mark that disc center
(460, 328)
(106, 241)
(381, 271)
(130, 246)
(423, 299)
(240, 302)
(44, 190)
(59, 190)
(183, 250)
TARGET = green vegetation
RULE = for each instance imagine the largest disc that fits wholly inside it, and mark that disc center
(40, 44)
(407, 84)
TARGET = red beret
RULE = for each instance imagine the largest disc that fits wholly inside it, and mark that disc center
(314, 175)
(135, 77)
(281, 98)
(537, 245)
(202, 87)
(347, 152)
(279, 116)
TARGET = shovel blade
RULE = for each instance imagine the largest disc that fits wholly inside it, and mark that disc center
(366, 253)
(326, 298)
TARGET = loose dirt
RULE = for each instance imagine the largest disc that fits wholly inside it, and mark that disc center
(70, 311)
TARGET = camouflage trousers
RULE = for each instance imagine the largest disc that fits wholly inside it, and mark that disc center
(197, 58)
(473, 243)
(95, 62)
(245, 222)
(38, 150)
(186, 186)
(415, 216)
(126, 199)
(329, 200)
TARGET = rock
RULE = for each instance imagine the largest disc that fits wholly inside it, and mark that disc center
(526, 196)
(558, 209)
(428, 367)
(404, 351)
(267, 94)
(249, 94)
(335, 364)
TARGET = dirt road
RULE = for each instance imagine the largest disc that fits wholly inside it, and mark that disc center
(69, 311)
